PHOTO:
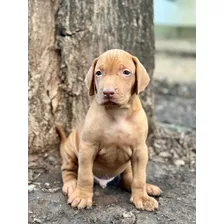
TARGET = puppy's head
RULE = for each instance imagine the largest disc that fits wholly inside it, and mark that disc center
(114, 76)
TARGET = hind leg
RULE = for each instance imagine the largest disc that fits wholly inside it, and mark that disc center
(69, 168)
(126, 181)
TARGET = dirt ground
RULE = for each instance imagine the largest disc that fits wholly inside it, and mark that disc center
(111, 205)
(175, 105)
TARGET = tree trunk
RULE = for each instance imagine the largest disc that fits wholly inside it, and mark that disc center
(82, 31)
(44, 70)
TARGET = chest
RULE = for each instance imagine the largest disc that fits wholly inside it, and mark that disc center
(116, 143)
(118, 134)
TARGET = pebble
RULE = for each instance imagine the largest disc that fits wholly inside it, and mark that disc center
(37, 220)
(97, 193)
(179, 162)
(158, 159)
(47, 185)
(165, 154)
(31, 187)
(128, 215)
(57, 167)
(52, 159)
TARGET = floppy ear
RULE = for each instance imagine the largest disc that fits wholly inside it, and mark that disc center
(141, 75)
(89, 80)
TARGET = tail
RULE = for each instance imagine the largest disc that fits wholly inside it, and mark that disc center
(61, 134)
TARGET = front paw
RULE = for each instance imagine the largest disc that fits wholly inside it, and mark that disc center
(144, 202)
(153, 190)
(69, 187)
(80, 199)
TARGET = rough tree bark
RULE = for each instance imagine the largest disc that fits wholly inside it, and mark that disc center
(44, 69)
(64, 37)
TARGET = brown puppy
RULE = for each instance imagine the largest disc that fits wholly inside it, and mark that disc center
(112, 139)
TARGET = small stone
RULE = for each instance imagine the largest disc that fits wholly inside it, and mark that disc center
(158, 159)
(53, 190)
(57, 182)
(165, 91)
(52, 159)
(165, 154)
(45, 155)
(92, 220)
(31, 187)
(128, 214)
(179, 162)
(37, 220)
(97, 193)
(47, 185)
(150, 149)
(57, 167)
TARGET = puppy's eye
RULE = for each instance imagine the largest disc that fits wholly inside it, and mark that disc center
(126, 72)
(98, 73)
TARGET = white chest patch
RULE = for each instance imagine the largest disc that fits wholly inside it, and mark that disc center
(103, 182)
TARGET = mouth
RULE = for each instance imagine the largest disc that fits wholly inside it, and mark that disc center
(109, 102)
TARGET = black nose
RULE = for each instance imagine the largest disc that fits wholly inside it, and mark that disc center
(108, 92)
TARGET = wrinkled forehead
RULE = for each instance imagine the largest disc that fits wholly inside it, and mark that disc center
(116, 60)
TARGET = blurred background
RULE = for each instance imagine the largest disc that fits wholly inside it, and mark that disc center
(174, 81)
(175, 61)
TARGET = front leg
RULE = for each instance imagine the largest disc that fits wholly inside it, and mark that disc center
(139, 195)
(83, 194)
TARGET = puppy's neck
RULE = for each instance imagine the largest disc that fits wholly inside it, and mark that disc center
(118, 112)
